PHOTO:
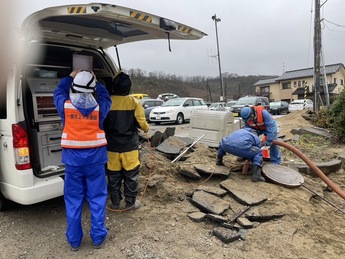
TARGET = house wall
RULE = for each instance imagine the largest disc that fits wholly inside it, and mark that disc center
(276, 91)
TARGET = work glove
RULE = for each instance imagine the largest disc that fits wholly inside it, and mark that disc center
(268, 143)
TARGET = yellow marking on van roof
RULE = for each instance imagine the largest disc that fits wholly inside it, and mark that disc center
(76, 9)
(140, 16)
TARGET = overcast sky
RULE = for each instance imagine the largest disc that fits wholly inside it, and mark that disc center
(256, 37)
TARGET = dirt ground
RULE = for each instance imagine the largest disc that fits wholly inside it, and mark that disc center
(161, 228)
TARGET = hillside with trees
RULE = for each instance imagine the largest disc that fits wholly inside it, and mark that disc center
(208, 88)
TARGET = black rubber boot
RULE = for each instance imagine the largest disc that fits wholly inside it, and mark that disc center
(114, 187)
(256, 174)
(219, 160)
(131, 188)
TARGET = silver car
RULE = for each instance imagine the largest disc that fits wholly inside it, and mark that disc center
(297, 105)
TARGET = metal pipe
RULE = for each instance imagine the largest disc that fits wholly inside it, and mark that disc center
(323, 177)
(180, 155)
(322, 198)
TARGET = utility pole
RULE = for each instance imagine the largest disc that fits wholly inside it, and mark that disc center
(222, 95)
(317, 55)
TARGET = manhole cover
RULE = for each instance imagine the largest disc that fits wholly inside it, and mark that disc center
(283, 175)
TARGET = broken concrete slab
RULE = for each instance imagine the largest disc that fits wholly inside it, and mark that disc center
(212, 190)
(255, 197)
(234, 205)
(316, 131)
(187, 140)
(233, 226)
(312, 130)
(189, 171)
(216, 218)
(244, 222)
(209, 203)
(226, 235)
(168, 149)
(264, 218)
(238, 214)
(326, 167)
(264, 212)
(212, 169)
(197, 216)
(172, 146)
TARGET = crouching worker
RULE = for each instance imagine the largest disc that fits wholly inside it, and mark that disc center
(84, 153)
(121, 126)
(245, 144)
(259, 119)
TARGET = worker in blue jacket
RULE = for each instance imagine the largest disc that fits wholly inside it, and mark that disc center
(260, 120)
(84, 153)
(246, 144)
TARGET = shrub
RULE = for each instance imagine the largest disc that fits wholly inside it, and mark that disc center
(336, 116)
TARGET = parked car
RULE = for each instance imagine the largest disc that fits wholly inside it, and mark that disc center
(149, 104)
(297, 105)
(167, 96)
(177, 110)
(230, 103)
(278, 107)
(219, 106)
(141, 96)
(249, 101)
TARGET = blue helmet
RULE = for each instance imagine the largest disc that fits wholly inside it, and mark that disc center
(246, 112)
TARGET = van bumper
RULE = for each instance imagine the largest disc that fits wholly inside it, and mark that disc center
(42, 190)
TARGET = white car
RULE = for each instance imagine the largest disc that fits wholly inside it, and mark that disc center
(167, 96)
(177, 110)
(297, 105)
(219, 106)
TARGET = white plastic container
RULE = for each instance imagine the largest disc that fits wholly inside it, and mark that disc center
(216, 125)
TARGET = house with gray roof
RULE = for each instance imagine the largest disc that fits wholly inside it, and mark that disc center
(295, 84)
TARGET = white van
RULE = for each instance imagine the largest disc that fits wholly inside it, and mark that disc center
(65, 37)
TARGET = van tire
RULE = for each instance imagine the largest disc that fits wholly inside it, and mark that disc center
(3, 202)
(179, 118)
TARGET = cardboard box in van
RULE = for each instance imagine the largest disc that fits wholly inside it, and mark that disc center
(30, 127)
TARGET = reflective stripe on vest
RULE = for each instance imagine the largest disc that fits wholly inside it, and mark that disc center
(81, 131)
(260, 124)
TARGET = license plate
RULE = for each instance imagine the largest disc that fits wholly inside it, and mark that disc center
(158, 117)
(235, 114)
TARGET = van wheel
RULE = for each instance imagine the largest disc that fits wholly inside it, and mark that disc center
(179, 118)
(3, 202)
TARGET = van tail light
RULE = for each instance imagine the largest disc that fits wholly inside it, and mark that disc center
(21, 147)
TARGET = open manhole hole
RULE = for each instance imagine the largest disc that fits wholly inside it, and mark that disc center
(283, 175)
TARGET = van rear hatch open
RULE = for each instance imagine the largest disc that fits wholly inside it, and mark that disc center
(99, 25)
(62, 32)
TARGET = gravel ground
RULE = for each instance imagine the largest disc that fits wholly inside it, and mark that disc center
(310, 228)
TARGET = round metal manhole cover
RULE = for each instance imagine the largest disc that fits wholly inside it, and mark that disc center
(283, 175)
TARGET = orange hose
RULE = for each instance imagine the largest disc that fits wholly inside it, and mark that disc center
(323, 177)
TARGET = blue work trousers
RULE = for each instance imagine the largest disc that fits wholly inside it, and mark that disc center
(85, 183)
(253, 153)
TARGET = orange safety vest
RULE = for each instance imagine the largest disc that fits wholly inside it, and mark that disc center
(259, 124)
(81, 131)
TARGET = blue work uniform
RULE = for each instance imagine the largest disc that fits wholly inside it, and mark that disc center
(242, 143)
(269, 129)
(85, 176)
